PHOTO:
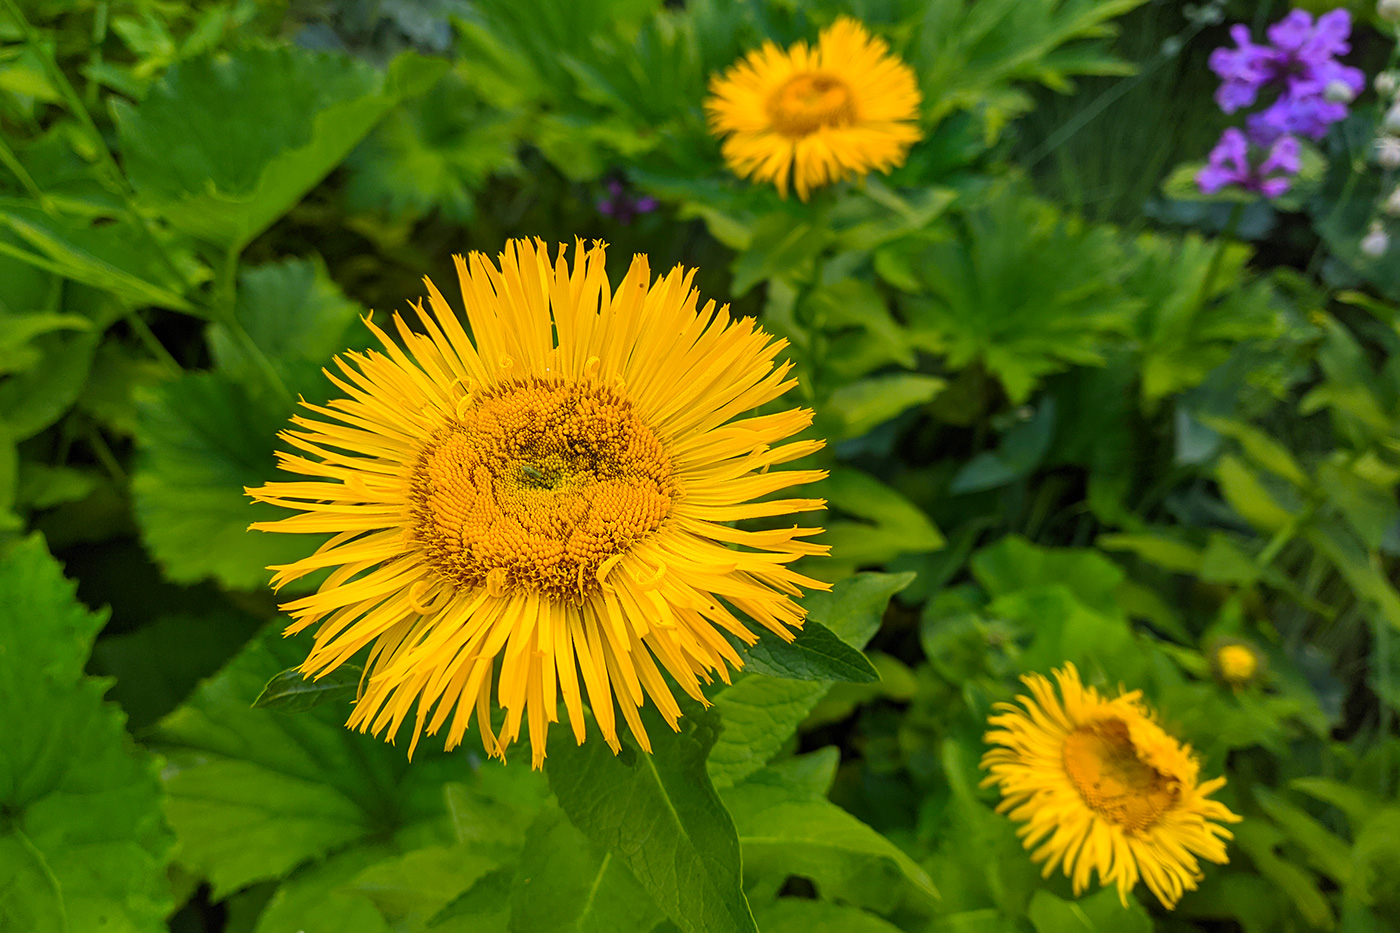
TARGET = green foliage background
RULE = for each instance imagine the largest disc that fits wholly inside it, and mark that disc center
(1074, 415)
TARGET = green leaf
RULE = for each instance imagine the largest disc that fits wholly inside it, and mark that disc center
(410, 889)
(783, 246)
(82, 843)
(112, 255)
(798, 915)
(565, 883)
(293, 313)
(896, 525)
(814, 654)
(867, 403)
(1248, 496)
(1100, 912)
(158, 665)
(295, 114)
(784, 830)
(33, 400)
(484, 908)
(291, 691)
(1013, 564)
(661, 816)
(255, 793)
(203, 439)
(760, 712)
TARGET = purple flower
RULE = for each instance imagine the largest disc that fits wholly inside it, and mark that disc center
(621, 205)
(1244, 70)
(1313, 88)
(1230, 166)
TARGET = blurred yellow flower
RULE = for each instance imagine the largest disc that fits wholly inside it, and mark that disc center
(817, 115)
(1236, 663)
(1101, 787)
(546, 503)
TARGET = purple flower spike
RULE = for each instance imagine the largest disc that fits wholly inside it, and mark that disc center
(1244, 70)
(1230, 166)
(621, 205)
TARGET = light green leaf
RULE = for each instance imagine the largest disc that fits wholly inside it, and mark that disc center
(1013, 563)
(255, 793)
(409, 889)
(113, 256)
(659, 813)
(1248, 496)
(33, 400)
(867, 403)
(815, 653)
(760, 712)
(896, 525)
(785, 831)
(296, 114)
(82, 844)
(291, 691)
(203, 439)
(565, 883)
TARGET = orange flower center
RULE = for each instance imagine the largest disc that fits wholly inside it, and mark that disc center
(1113, 779)
(536, 485)
(807, 102)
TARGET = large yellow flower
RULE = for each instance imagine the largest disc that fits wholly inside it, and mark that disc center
(847, 107)
(1101, 787)
(546, 502)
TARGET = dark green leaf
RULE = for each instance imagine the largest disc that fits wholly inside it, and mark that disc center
(291, 691)
(659, 813)
(814, 654)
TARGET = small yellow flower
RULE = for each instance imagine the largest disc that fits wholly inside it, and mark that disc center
(1236, 663)
(544, 508)
(847, 107)
(1101, 787)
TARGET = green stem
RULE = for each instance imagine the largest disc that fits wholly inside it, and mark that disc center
(103, 452)
(143, 332)
(225, 307)
(11, 162)
(1223, 243)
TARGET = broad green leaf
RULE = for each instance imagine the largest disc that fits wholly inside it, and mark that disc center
(1100, 912)
(1155, 548)
(255, 793)
(1260, 448)
(82, 843)
(291, 691)
(565, 884)
(784, 830)
(661, 816)
(893, 525)
(1020, 451)
(865, 404)
(760, 712)
(815, 653)
(17, 331)
(295, 114)
(158, 665)
(203, 439)
(32, 400)
(409, 889)
(484, 908)
(318, 897)
(783, 246)
(798, 915)
(1326, 851)
(293, 313)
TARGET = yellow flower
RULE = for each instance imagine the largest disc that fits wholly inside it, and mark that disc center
(1101, 787)
(845, 108)
(1236, 663)
(546, 503)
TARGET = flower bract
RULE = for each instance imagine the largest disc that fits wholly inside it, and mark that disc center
(1100, 787)
(539, 506)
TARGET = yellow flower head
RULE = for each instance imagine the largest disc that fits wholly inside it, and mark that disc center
(1101, 787)
(818, 115)
(1236, 663)
(543, 509)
